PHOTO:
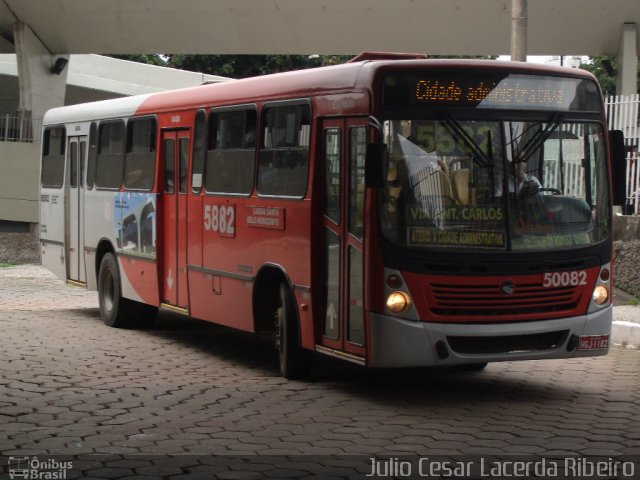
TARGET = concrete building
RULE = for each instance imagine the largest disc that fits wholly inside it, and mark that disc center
(88, 78)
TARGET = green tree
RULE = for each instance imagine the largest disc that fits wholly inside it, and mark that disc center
(236, 66)
(242, 66)
(605, 70)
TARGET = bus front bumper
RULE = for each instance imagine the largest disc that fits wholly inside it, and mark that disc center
(403, 343)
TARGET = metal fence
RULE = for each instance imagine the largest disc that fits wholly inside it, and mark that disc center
(19, 128)
(622, 114)
(633, 181)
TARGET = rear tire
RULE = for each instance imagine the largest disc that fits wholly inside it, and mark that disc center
(295, 361)
(115, 310)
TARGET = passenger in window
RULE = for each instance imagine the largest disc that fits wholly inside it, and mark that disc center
(269, 174)
(249, 139)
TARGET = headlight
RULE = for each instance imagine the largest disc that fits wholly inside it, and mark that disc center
(398, 302)
(600, 294)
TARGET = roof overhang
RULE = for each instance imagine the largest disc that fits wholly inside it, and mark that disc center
(119, 77)
(582, 27)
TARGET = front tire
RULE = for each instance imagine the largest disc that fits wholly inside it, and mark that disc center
(295, 361)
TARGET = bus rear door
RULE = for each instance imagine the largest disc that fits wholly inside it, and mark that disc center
(173, 272)
(77, 154)
(343, 329)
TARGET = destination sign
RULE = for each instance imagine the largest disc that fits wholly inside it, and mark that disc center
(417, 215)
(489, 91)
(424, 236)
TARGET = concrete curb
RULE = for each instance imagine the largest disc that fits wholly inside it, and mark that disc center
(625, 329)
(626, 334)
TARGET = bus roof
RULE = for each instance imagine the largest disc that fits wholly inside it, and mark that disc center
(296, 84)
(104, 109)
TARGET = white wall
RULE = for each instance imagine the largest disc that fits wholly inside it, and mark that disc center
(20, 167)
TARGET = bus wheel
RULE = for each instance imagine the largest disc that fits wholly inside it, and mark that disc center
(114, 309)
(295, 362)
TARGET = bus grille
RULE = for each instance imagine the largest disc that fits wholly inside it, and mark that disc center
(509, 343)
(488, 299)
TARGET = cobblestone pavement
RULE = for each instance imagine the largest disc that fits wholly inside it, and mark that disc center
(70, 385)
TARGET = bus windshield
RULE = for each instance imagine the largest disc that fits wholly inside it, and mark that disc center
(501, 185)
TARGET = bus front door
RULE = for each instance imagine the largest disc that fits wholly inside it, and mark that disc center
(173, 208)
(344, 146)
(77, 154)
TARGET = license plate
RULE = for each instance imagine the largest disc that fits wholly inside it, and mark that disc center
(593, 342)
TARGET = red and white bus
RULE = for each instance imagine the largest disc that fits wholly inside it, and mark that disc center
(392, 211)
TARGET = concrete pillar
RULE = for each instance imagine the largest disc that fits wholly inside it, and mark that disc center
(519, 30)
(40, 89)
(627, 81)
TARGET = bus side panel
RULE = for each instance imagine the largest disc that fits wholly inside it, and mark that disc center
(218, 297)
(139, 279)
(52, 221)
(197, 282)
(265, 231)
(98, 226)
(305, 314)
(136, 233)
(90, 267)
(194, 235)
(223, 300)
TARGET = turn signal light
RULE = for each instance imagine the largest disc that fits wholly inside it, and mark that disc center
(398, 302)
(394, 281)
(600, 294)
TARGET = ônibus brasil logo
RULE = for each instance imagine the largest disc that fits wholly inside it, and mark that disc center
(33, 468)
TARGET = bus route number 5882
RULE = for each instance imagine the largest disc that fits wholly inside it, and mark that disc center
(220, 219)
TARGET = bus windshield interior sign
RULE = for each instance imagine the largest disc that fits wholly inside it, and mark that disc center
(489, 91)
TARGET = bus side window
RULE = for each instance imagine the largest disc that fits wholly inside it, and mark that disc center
(53, 157)
(73, 157)
(93, 153)
(357, 150)
(140, 161)
(110, 155)
(199, 152)
(283, 162)
(231, 151)
(332, 187)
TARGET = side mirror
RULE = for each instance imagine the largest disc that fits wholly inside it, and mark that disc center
(618, 167)
(375, 165)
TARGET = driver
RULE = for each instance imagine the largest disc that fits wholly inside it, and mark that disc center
(521, 181)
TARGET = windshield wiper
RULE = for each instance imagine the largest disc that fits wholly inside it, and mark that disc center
(454, 126)
(537, 139)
